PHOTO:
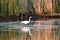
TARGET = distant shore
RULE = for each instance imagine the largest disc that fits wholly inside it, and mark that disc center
(14, 18)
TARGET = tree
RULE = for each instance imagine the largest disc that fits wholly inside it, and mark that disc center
(36, 4)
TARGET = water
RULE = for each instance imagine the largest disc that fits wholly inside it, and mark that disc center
(40, 29)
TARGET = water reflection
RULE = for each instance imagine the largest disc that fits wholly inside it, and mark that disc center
(40, 29)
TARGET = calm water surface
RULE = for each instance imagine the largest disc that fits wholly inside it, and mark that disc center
(40, 29)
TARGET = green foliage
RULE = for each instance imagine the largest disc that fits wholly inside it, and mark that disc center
(9, 7)
(55, 5)
(30, 5)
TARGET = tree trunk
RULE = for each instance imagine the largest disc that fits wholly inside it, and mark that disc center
(36, 4)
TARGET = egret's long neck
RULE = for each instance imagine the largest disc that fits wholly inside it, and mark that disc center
(29, 19)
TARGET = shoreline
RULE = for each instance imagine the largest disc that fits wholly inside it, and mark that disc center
(41, 17)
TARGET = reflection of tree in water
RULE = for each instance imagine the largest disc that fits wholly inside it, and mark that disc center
(46, 33)
(37, 33)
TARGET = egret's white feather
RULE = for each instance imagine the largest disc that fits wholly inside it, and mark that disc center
(26, 22)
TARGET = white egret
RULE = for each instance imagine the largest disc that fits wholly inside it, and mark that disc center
(27, 21)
